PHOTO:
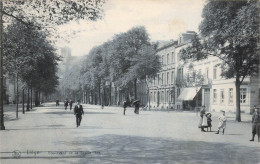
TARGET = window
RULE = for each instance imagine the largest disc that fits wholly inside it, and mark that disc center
(158, 79)
(162, 78)
(167, 96)
(168, 78)
(214, 96)
(178, 92)
(230, 96)
(222, 96)
(243, 95)
(207, 73)
(182, 73)
(162, 96)
(173, 95)
(193, 76)
(162, 59)
(214, 73)
(173, 57)
(168, 59)
(172, 76)
(154, 80)
(188, 77)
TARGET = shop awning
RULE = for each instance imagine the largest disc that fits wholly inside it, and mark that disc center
(188, 94)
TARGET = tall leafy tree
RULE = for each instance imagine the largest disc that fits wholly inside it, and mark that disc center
(44, 14)
(230, 31)
(128, 48)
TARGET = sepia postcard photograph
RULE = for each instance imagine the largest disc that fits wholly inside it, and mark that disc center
(129, 82)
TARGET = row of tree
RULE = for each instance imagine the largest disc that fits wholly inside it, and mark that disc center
(32, 59)
(29, 58)
(124, 61)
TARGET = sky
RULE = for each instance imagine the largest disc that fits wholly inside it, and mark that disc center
(163, 20)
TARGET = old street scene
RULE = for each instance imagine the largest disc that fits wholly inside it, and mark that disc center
(129, 81)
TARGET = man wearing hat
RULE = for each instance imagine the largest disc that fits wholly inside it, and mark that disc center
(78, 111)
(255, 122)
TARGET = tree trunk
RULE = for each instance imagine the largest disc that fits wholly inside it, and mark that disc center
(148, 95)
(238, 112)
(40, 98)
(110, 93)
(23, 100)
(116, 100)
(95, 97)
(28, 100)
(17, 99)
(104, 96)
(99, 95)
(2, 127)
(135, 90)
(36, 98)
(31, 98)
(14, 101)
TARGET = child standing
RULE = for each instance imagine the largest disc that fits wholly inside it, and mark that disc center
(222, 122)
(209, 120)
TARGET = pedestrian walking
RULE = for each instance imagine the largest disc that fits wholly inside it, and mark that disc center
(202, 113)
(66, 103)
(124, 106)
(71, 103)
(137, 105)
(255, 123)
(78, 112)
(222, 122)
(57, 102)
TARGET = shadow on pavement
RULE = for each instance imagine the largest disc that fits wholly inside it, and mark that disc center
(58, 127)
(134, 149)
(71, 113)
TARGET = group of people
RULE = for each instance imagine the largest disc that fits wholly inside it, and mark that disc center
(136, 104)
(68, 103)
(205, 118)
(205, 121)
(78, 109)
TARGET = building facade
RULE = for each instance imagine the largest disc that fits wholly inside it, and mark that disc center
(186, 86)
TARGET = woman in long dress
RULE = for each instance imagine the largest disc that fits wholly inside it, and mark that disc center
(222, 122)
(202, 113)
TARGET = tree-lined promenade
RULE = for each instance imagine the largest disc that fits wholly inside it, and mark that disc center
(127, 59)
(26, 52)
(229, 30)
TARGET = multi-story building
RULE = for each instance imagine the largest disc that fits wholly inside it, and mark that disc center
(164, 88)
(189, 85)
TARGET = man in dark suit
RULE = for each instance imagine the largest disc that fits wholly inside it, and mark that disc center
(66, 103)
(78, 111)
(71, 103)
(255, 122)
(137, 105)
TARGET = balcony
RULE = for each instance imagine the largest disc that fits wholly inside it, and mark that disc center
(207, 81)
